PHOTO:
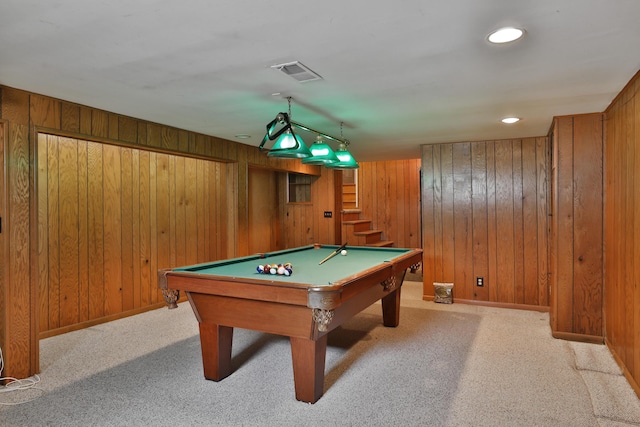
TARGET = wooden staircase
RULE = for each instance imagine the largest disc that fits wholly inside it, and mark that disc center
(358, 232)
(349, 196)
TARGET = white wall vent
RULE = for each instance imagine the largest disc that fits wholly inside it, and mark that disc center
(298, 71)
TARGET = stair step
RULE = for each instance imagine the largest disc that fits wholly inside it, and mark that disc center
(360, 229)
(350, 214)
(367, 232)
(357, 221)
(381, 243)
(358, 225)
(368, 236)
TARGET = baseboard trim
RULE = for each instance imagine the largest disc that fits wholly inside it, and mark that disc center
(76, 327)
(570, 336)
(540, 308)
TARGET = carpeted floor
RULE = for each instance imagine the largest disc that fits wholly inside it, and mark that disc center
(445, 365)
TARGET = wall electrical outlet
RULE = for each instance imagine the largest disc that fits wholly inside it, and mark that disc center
(479, 281)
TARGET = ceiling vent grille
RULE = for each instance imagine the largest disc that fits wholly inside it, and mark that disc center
(298, 71)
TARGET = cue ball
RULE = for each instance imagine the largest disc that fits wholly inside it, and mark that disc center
(344, 252)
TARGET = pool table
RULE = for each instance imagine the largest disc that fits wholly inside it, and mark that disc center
(305, 306)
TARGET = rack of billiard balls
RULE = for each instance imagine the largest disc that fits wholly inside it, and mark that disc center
(281, 269)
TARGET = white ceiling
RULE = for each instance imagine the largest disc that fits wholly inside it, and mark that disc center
(398, 74)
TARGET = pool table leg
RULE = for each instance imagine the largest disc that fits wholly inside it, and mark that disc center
(216, 341)
(391, 308)
(308, 367)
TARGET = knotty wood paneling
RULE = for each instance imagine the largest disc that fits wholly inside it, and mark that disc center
(28, 114)
(83, 172)
(49, 285)
(622, 230)
(70, 117)
(577, 227)
(389, 196)
(19, 346)
(484, 207)
(462, 217)
(480, 261)
(69, 239)
(127, 226)
(297, 218)
(112, 232)
(4, 264)
(263, 211)
(323, 198)
(304, 223)
(95, 225)
(17, 301)
(588, 217)
(530, 231)
(144, 228)
(507, 223)
(96, 205)
(45, 111)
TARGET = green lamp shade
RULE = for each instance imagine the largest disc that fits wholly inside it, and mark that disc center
(346, 160)
(321, 154)
(289, 146)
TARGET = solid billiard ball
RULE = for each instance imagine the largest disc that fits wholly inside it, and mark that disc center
(344, 252)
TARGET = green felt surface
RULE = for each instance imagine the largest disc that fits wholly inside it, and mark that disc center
(305, 260)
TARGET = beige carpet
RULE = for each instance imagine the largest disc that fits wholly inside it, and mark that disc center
(613, 400)
(445, 365)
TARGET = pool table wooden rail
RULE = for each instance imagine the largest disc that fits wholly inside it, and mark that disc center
(259, 298)
(323, 297)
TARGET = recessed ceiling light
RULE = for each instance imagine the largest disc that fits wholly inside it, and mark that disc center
(505, 35)
(243, 136)
(509, 120)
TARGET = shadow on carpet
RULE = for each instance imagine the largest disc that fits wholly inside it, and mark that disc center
(374, 375)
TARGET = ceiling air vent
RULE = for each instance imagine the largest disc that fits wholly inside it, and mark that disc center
(298, 71)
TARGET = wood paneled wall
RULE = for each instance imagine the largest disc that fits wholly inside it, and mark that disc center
(304, 223)
(110, 217)
(622, 230)
(326, 196)
(389, 196)
(264, 221)
(26, 115)
(4, 264)
(577, 228)
(19, 345)
(484, 207)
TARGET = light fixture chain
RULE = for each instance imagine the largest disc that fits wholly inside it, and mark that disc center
(345, 141)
